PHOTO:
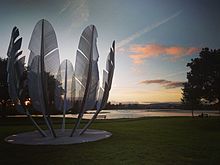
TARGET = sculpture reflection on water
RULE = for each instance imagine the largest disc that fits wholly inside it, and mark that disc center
(51, 85)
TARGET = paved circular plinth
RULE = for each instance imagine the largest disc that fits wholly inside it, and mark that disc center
(34, 138)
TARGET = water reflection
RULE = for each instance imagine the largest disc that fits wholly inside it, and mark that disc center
(116, 114)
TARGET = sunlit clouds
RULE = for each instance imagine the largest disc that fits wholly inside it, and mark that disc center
(154, 40)
(141, 52)
(165, 83)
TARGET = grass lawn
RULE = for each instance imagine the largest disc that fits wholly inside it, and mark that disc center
(166, 140)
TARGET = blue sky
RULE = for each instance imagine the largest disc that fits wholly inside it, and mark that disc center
(154, 38)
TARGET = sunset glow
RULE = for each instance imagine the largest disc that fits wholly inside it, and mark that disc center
(154, 42)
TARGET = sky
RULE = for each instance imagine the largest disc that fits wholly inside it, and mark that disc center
(155, 39)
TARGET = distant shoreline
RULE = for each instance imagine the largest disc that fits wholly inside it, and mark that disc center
(136, 113)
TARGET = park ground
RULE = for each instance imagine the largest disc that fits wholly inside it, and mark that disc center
(151, 141)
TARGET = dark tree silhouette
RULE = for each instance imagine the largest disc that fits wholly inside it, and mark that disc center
(4, 96)
(202, 88)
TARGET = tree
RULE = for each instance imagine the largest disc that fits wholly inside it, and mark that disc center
(4, 96)
(202, 88)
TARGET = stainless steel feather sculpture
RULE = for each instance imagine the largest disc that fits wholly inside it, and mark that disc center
(43, 62)
(64, 94)
(16, 76)
(106, 86)
(86, 72)
(51, 84)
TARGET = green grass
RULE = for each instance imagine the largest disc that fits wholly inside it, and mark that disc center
(151, 141)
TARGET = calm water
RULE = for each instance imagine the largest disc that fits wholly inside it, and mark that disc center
(116, 114)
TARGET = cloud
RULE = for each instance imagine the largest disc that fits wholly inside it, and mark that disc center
(141, 52)
(165, 83)
(65, 6)
(176, 73)
(78, 10)
(146, 30)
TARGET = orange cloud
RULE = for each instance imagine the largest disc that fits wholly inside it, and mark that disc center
(141, 52)
(165, 83)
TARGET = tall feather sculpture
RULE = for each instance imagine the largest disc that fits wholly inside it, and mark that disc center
(86, 72)
(106, 86)
(17, 77)
(64, 89)
(43, 63)
(50, 82)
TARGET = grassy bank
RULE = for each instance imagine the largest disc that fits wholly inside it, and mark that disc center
(172, 140)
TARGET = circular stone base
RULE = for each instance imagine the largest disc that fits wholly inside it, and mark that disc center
(34, 137)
